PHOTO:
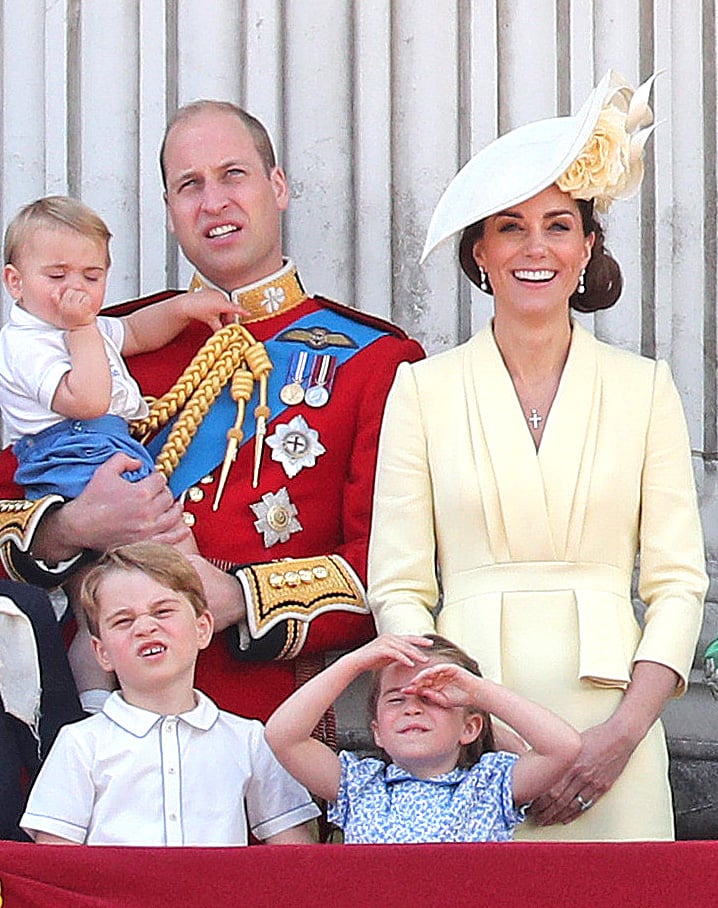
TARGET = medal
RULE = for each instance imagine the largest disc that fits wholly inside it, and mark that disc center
(324, 368)
(276, 517)
(292, 392)
(295, 445)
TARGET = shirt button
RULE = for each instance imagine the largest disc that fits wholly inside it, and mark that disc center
(171, 770)
(173, 817)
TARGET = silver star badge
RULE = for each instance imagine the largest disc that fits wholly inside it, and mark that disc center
(295, 445)
(276, 517)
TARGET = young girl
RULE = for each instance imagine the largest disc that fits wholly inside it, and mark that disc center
(430, 714)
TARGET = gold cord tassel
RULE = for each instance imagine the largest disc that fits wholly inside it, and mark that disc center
(228, 351)
(242, 384)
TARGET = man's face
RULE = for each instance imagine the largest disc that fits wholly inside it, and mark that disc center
(222, 206)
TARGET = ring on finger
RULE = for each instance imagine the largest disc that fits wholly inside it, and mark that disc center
(583, 805)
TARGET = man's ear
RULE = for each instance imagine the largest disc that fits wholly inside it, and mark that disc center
(100, 652)
(13, 281)
(280, 185)
(168, 212)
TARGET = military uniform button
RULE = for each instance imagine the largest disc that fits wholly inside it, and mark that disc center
(276, 580)
(292, 578)
(306, 576)
(320, 572)
(188, 518)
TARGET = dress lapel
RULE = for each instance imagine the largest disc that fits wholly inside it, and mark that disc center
(513, 492)
(569, 442)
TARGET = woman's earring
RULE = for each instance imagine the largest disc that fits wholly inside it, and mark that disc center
(581, 282)
(483, 282)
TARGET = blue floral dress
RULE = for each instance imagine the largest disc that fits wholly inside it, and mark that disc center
(386, 804)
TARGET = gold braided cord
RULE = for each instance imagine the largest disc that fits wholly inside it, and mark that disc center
(219, 359)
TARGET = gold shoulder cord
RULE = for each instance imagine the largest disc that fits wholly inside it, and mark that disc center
(230, 352)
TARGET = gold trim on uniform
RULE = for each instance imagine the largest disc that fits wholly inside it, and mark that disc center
(296, 635)
(266, 298)
(18, 522)
(296, 590)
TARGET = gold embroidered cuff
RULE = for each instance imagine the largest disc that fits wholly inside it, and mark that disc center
(19, 521)
(295, 591)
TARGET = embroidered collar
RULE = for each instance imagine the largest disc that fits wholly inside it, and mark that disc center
(139, 722)
(395, 773)
(263, 299)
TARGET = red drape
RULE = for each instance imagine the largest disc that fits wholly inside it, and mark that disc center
(515, 875)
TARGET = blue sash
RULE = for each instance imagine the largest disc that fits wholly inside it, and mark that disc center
(206, 450)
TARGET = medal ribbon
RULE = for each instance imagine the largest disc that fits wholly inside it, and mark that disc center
(206, 450)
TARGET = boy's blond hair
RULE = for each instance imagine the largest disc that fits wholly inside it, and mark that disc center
(162, 563)
(53, 211)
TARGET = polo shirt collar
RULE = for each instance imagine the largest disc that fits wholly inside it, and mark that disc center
(139, 722)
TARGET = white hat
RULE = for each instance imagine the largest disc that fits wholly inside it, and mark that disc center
(596, 154)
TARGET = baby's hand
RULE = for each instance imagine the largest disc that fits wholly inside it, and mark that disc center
(388, 648)
(75, 309)
(447, 685)
(211, 307)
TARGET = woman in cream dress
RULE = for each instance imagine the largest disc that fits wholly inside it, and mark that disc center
(520, 474)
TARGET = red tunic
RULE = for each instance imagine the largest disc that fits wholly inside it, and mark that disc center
(333, 498)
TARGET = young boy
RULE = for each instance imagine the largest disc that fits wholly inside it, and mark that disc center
(160, 765)
(65, 392)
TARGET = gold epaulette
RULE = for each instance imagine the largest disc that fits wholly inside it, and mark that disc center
(295, 591)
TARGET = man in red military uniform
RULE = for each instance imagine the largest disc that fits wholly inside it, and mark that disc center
(268, 440)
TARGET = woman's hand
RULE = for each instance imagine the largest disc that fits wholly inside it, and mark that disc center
(601, 760)
(606, 748)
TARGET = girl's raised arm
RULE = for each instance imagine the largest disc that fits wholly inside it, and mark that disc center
(289, 728)
(554, 743)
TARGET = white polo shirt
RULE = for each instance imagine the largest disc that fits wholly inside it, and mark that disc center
(33, 359)
(127, 776)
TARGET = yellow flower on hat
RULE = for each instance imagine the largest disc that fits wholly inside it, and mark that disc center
(601, 170)
(610, 166)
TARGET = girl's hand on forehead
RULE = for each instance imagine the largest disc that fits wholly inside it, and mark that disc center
(446, 684)
(388, 648)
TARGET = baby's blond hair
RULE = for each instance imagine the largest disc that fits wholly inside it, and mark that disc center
(54, 211)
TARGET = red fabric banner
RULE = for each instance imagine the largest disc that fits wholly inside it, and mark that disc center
(637, 875)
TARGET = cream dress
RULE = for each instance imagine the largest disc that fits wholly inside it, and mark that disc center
(536, 550)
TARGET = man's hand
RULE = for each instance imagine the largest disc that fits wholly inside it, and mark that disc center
(111, 511)
(225, 597)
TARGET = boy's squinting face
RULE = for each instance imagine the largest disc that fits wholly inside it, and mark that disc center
(52, 261)
(149, 635)
(421, 737)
